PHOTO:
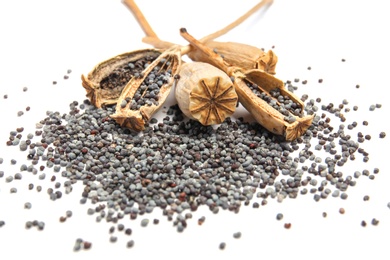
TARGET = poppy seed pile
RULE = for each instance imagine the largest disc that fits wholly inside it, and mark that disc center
(179, 165)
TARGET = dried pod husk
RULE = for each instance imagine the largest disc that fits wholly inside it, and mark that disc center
(205, 93)
(245, 56)
(107, 79)
(261, 94)
(143, 96)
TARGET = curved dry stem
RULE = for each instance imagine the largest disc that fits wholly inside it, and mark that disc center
(236, 22)
(215, 59)
(132, 6)
(152, 38)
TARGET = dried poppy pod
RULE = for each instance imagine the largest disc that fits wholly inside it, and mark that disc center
(271, 105)
(107, 79)
(237, 54)
(143, 96)
(205, 93)
(263, 95)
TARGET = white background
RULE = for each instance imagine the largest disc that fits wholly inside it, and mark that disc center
(41, 40)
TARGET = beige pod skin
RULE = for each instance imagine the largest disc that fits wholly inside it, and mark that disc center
(205, 93)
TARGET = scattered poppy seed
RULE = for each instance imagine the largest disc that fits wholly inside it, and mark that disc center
(66, 76)
(87, 245)
(25, 89)
(20, 113)
(343, 60)
(144, 222)
(374, 222)
(324, 214)
(28, 224)
(111, 230)
(341, 210)
(237, 234)
(363, 223)
(54, 82)
(62, 219)
(201, 220)
(320, 80)
(366, 198)
(128, 231)
(222, 245)
(68, 213)
(279, 216)
(27, 205)
(2, 223)
(13, 190)
(113, 239)
(9, 179)
(5, 96)
(344, 196)
(69, 71)
(382, 135)
(130, 244)
(156, 221)
(287, 225)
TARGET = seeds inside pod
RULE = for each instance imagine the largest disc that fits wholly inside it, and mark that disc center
(272, 106)
(107, 79)
(237, 54)
(205, 93)
(143, 96)
(291, 123)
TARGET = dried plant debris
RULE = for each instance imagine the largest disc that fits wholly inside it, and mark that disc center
(107, 79)
(144, 96)
(237, 54)
(259, 92)
(205, 93)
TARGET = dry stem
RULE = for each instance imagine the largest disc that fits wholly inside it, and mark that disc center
(152, 38)
(132, 6)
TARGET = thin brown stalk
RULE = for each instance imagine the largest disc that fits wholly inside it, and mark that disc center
(152, 38)
(132, 6)
(237, 22)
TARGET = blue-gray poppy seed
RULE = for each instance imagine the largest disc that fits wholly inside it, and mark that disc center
(9, 179)
(144, 222)
(130, 243)
(27, 205)
(222, 245)
(237, 234)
